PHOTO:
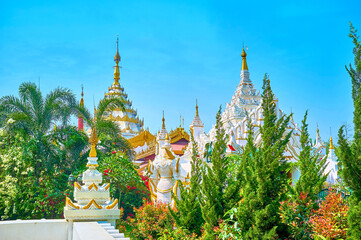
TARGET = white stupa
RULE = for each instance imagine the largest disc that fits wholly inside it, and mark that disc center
(93, 202)
(331, 167)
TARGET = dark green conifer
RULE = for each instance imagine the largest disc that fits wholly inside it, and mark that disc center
(310, 166)
(350, 153)
(265, 178)
(219, 193)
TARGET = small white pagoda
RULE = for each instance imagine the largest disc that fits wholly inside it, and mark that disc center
(332, 165)
(93, 202)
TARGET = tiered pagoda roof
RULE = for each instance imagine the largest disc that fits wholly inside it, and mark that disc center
(127, 118)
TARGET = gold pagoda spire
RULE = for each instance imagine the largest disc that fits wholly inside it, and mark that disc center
(163, 120)
(197, 115)
(93, 140)
(244, 60)
(82, 95)
(331, 143)
(116, 67)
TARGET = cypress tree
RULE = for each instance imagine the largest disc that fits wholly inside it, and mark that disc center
(265, 175)
(219, 192)
(310, 166)
(188, 214)
(310, 183)
(350, 153)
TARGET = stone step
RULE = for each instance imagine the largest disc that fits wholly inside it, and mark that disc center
(108, 227)
(104, 224)
(115, 231)
(118, 235)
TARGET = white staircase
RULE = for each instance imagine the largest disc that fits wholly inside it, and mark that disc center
(112, 231)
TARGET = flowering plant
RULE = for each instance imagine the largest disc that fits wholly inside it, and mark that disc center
(151, 221)
(330, 220)
(295, 213)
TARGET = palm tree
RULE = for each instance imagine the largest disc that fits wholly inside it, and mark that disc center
(33, 117)
(108, 131)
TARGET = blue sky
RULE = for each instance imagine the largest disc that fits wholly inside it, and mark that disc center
(176, 51)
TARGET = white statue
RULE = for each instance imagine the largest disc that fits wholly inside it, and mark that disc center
(164, 174)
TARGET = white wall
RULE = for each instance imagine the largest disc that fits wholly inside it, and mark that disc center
(34, 229)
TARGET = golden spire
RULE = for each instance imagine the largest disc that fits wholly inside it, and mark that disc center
(331, 143)
(163, 120)
(167, 137)
(197, 115)
(116, 68)
(244, 61)
(82, 94)
(318, 132)
(93, 140)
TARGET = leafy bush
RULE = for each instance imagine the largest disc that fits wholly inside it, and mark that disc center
(126, 184)
(150, 221)
(330, 220)
(295, 213)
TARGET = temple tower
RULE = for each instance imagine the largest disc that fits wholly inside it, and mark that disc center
(162, 135)
(331, 163)
(197, 126)
(245, 98)
(127, 118)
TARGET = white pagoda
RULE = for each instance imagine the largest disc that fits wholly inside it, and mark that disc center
(332, 167)
(93, 200)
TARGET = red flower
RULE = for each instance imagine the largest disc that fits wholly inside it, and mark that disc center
(46, 195)
(134, 187)
(122, 202)
(114, 152)
(131, 215)
(137, 192)
(128, 187)
(106, 172)
(67, 194)
(113, 143)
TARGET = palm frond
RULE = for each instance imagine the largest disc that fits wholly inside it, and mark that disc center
(29, 92)
(106, 127)
(107, 105)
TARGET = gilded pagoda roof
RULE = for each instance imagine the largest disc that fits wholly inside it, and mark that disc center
(178, 134)
(125, 118)
(142, 138)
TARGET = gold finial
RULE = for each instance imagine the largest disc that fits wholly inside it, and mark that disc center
(197, 115)
(116, 67)
(244, 61)
(318, 131)
(167, 137)
(93, 140)
(331, 143)
(82, 94)
(180, 121)
(163, 120)
(117, 56)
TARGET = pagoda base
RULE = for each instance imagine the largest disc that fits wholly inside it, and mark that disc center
(79, 215)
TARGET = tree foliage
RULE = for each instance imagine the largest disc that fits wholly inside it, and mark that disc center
(108, 131)
(220, 191)
(350, 154)
(265, 177)
(310, 166)
(188, 214)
